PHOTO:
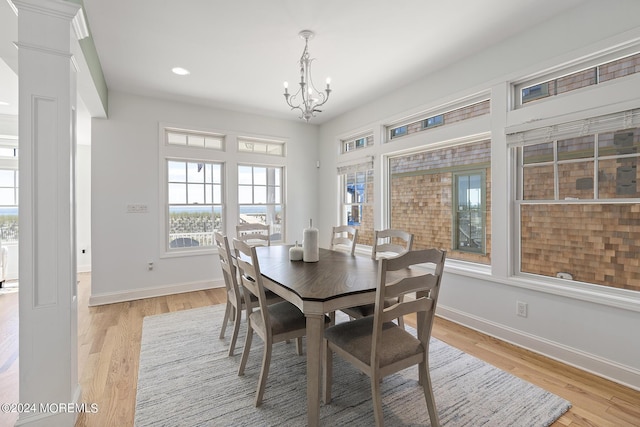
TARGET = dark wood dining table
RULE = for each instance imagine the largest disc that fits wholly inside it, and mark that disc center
(338, 280)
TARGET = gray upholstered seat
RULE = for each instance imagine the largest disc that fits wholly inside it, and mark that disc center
(356, 338)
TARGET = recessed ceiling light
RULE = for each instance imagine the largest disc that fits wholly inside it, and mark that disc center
(4, 103)
(180, 71)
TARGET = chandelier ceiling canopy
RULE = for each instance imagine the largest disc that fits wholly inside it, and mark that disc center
(307, 98)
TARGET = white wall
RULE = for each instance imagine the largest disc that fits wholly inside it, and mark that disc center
(125, 170)
(83, 207)
(579, 326)
(573, 326)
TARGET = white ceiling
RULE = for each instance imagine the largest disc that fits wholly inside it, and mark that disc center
(239, 52)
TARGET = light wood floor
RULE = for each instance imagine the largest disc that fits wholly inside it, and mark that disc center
(109, 347)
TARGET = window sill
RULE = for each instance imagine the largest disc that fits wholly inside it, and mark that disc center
(189, 253)
(597, 294)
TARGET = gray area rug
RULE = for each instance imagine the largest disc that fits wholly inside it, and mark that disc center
(186, 379)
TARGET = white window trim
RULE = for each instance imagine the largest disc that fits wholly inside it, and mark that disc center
(230, 158)
(186, 153)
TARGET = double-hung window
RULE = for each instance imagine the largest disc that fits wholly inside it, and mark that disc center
(357, 199)
(260, 197)
(195, 202)
(194, 189)
(577, 200)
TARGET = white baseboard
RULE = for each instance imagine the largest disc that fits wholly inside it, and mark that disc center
(54, 413)
(611, 370)
(84, 268)
(114, 297)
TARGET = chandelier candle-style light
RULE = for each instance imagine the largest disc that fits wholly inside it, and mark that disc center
(310, 98)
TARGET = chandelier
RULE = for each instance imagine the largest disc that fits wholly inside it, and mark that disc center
(307, 99)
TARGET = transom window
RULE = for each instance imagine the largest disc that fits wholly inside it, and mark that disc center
(592, 75)
(449, 117)
(194, 139)
(357, 143)
(260, 146)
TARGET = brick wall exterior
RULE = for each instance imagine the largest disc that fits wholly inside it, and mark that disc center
(464, 113)
(617, 177)
(365, 230)
(594, 243)
(421, 196)
(576, 81)
(620, 68)
(475, 110)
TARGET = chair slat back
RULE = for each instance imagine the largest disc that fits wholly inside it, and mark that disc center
(392, 241)
(406, 307)
(254, 234)
(250, 277)
(226, 262)
(404, 274)
(344, 235)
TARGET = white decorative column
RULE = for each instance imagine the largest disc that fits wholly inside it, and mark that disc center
(48, 297)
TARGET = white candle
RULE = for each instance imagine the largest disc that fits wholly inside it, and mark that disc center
(310, 249)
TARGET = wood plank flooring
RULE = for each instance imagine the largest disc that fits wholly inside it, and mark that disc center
(109, 348)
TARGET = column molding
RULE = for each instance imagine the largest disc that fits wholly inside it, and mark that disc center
(48, 343)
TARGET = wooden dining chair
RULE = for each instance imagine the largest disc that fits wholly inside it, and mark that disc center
(391, 242)
(344, 237)
(386, 243)
(235, 297)
(379, 347)
(272, 322)
(254, 234)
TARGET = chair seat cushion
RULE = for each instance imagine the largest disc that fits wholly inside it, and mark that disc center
(285, 317)
(271, 296)
(231, 296)
(355, 337)
(366, 309)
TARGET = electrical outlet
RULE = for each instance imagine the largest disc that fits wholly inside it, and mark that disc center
(137, 208)
(150, 265)
(521, 308)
